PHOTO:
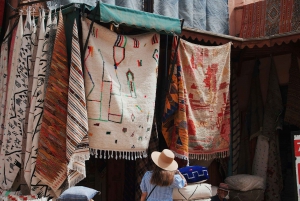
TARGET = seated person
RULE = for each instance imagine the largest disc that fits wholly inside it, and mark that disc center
(222, 193)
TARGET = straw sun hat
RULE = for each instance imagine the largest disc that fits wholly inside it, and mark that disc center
(165, 159)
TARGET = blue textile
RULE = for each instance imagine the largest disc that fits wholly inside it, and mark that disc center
(209, 15)
(217, 16)
(78, 193)
(194, 174)
(133, 4)
(160, 193)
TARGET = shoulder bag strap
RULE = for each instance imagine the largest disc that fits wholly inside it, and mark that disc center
(151, 192)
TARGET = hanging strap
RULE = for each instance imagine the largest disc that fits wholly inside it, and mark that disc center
(151, 192)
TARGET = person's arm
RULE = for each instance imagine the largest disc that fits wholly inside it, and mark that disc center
(178, 172)
(144, 195)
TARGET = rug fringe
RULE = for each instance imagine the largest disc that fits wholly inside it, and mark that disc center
(221, 154)
(75, 181)
(127, 155)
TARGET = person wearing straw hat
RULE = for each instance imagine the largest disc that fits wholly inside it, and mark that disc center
(158, 184)
(222, 193)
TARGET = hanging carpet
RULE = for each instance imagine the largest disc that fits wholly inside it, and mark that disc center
(14, 52)
(292, 110)
(120, 80)
(36, 109)
(3, 81)
(197, 106)
(18, 106)
(77, 120)
(51, 160)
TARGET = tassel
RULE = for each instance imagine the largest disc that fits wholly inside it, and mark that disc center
(112, 154)
(120, 156)
(104, 154)
(116, 155)
(125, 155)
(108, 157)
(100, 154)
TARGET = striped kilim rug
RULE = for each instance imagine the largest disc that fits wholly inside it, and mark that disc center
(51, 159)
(77, 120)
(120, 80)
(18, 106)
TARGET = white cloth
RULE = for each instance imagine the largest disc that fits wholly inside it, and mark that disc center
(120, 82)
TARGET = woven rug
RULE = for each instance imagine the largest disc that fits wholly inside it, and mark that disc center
(51, 158)
(120, 91)
(16, 122)
(205, 76)
(296, 17)
(286, 13)
(13, 52)
(146, 164)
(36, 112)
(174, 120)
(274, 173)
(253, 20)
(292, 106)
(273, 106)
(27, 160)
(3, 81)
(77, 119)
(236, 127)
(272, 17)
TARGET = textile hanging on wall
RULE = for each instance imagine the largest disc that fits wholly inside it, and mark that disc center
(253, 20)
(27, 161)
(146, 164)
(217, 16)
(260, 161)
(174, 121)
(204, 73)
(18, 106)
(273, 107)
(236, 127)
(292, 106)
(253, 122)
(15, 47)
(77, 119)
(120, 91)
(36, 111)
(210, 15)
(286, 13)
(133, 4)
(272, 17)
(51, 158)
(274, 173)
(3, 80)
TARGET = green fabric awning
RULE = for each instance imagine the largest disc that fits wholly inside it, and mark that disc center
(135, 18)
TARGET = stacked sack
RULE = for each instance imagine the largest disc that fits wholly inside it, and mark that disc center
(246, 187)
(196, 189)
